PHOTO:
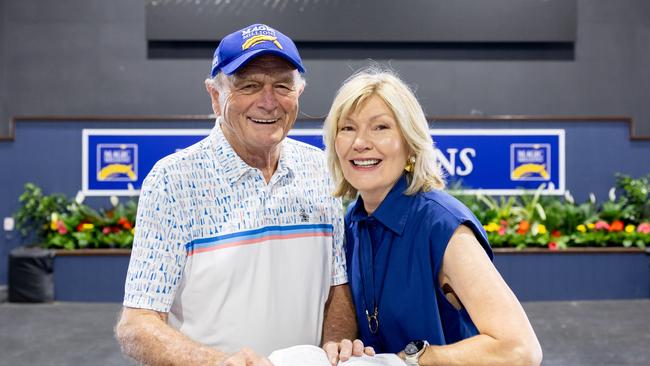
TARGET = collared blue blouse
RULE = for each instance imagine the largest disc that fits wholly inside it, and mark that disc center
(397, 253)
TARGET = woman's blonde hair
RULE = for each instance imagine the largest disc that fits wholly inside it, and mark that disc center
(412, 123)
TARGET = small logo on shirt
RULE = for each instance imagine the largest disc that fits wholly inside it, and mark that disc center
(304, 217)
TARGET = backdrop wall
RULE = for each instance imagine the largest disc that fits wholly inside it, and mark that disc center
(90, 57)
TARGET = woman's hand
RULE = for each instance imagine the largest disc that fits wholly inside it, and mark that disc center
(345, 349)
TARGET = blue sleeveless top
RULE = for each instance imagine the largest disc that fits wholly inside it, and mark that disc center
(394, 258)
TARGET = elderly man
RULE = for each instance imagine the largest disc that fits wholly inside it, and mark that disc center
(238, 245)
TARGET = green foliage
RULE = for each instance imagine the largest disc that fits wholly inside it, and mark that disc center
(525, 221)
(634, 197)
(557, 223)
(60, 224)
(565, 216)
(33, 216)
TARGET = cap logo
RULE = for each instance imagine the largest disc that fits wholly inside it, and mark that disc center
(259, 39)
(258, 34)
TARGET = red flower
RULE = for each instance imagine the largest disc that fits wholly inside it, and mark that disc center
(552, 245)
(617, 226)
(556, 233)
(61, 228)
(523, 227)
(80, 227)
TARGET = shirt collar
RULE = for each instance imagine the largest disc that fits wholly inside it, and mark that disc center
(392, 211)
(234, 167)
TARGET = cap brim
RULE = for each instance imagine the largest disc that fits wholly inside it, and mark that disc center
(242, 60)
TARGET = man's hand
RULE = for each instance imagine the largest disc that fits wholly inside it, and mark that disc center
(345, 349)
(246, 357)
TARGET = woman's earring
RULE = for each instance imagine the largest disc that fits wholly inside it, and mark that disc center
(410, 164)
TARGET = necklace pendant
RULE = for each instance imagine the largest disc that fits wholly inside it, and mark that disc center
(373, 321)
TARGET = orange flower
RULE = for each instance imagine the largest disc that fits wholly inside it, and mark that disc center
(523, 227)
(125, 223)
(617, 226)
(556, 233)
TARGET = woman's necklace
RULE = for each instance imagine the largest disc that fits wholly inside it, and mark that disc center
(366, 260)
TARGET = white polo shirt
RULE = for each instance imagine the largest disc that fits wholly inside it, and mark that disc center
(233, 260)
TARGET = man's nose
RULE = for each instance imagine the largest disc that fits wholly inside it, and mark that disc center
(268, 100)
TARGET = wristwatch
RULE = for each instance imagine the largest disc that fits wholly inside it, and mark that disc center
(413, 351)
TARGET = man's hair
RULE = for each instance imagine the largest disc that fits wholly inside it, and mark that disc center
(413, 126)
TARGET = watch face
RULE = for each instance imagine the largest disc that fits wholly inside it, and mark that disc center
(413, 347)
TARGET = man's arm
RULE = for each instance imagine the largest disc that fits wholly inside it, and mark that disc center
(340, 326)
(340, 321)
(145, 336)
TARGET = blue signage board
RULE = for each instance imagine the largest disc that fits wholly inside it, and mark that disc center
(115, 162)
(502, 162)
(490, 161)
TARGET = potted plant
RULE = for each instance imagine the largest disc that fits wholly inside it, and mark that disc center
(30, 267)
(89, 248)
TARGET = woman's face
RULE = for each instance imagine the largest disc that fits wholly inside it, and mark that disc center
(371, 150)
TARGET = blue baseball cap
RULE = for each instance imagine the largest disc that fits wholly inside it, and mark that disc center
(238, 48)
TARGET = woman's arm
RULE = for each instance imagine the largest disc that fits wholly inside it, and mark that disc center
(506, 336)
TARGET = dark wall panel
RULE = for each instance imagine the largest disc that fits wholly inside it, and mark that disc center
(3, 80)
(369, 20)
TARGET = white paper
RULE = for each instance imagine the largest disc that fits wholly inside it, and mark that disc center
(308, 355)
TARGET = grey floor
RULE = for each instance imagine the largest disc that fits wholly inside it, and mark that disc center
(612, 333)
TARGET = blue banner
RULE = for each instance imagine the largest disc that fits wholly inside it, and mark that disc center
(493, 161)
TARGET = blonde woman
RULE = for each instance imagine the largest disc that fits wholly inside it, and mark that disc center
(419, 262)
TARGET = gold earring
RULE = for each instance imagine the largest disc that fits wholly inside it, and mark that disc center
(410, 164)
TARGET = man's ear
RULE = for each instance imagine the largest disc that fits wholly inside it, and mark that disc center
(214, 97)
(301, 88)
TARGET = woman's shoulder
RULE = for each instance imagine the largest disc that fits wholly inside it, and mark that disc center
(441, 203)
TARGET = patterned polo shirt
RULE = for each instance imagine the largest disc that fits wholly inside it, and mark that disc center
(234, 260)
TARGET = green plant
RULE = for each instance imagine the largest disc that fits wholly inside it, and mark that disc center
(498, 209)
(33, 216)
(529, 208)
(565, 216)
(634, 197)
(536, 221)
(60, 224)
(82, 227)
